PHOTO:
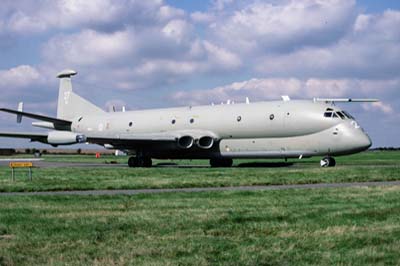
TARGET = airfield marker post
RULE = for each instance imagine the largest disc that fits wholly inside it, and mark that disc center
(14, 165)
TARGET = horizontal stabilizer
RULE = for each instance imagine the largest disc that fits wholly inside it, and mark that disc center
(41, 137)
(59, 123)
(345, 100)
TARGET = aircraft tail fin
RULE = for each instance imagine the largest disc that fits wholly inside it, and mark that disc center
(71, 105)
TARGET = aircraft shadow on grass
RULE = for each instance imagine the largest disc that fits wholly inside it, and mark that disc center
(242, 165)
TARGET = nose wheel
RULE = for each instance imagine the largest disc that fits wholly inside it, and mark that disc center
(328, 162)
(140, 161)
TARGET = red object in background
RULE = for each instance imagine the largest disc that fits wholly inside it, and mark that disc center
(98, 155)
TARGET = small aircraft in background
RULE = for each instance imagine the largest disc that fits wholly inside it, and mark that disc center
(219, 133)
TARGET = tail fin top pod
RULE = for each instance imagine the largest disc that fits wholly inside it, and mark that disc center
(71, 105)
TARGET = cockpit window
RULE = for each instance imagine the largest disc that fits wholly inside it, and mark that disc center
(348, 115)
(330, 113)
(341, 115)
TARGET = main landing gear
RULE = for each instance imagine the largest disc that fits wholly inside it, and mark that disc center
(140, 161)
(328, 162)
(221, 162)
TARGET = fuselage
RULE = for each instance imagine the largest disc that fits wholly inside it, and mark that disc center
(276, 129)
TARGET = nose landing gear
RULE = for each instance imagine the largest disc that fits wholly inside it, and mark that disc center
(328, 162)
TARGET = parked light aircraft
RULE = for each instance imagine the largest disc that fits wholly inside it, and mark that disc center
(220, 133)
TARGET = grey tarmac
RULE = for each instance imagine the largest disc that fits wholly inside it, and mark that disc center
(193, 190)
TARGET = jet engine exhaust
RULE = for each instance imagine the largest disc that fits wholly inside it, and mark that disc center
(185, 142)
(205, 142)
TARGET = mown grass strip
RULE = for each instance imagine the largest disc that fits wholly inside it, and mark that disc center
(358, 226)
(359, 168)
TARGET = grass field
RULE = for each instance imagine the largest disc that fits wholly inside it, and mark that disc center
(353, 226)
(368, 166)
(293, 227)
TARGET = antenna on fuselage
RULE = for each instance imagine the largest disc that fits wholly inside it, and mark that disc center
(247, 100)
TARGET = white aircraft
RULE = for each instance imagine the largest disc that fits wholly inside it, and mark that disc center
(220, 133)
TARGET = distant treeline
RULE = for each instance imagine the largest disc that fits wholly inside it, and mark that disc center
(385, 149)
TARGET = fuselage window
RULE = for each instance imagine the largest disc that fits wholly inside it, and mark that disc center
(239, 118)
(130, 124)
(80, 119)
(173, 121)
(191, 121)
(271, 117)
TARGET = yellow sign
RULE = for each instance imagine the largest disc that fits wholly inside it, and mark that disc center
(21, 164)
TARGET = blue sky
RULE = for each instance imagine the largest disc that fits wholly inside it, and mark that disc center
(162, 53)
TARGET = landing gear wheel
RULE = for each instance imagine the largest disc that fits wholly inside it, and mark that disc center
(328, 162)
(147, 162)
(132, 162)
(140, 162)
(221, 162)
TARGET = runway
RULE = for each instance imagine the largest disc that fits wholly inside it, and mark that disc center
(194, 190)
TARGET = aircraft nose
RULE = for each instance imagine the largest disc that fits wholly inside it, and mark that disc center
(364, 141)
(358, 140)
(361, 141)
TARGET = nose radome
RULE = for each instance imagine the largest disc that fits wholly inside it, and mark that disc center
(357, 139)
(365, 142)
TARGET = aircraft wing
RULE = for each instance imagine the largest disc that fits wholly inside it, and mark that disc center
(133, 138)
(56, 121)
(133, 141)
(121, 141)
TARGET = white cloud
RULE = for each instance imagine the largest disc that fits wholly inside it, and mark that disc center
(177, 30)
(157, 67)
(202, 17)
(89, 47)
(372, 50)
(168, 12)
(285, 26)
(221, 57)
(380, 106)
(21, 23)
(27, 17)
(19, 77)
